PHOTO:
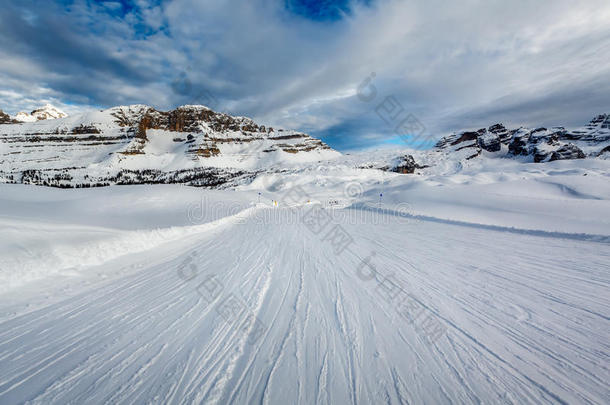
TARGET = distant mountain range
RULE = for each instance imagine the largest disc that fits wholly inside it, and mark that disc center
(461, 149)
(537, 145)
(196, 146)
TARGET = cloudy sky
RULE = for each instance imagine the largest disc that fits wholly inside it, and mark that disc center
(326, 67)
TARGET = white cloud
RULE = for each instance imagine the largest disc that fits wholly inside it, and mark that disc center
(453, 64)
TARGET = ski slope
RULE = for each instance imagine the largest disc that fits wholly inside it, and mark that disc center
(248, 303)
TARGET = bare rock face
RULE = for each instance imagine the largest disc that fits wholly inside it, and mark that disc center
(519, 143)
(602, 121)
(604, 152)
(214, 126)
(490, 142)
(406, 165)
(503, 134)
(189, 119)
(403, 164)
(5, 118)
(596, 132)
(465, 144)
(540, 143)
(459, 140)
(567, 152)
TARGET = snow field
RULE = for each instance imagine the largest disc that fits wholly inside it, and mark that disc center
(490, 287)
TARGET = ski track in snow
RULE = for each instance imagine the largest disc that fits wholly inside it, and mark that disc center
(527, 320)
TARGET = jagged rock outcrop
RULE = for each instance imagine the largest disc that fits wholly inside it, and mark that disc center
(470, 143)
(540, 144)
(518, 143)
(5, 118)
(490, 142)
(406, 165)
(597, 131)
(604, 152)
(501, 132)
(567, 152)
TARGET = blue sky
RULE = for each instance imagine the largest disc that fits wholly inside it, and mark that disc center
(304, 64)
(321, 10)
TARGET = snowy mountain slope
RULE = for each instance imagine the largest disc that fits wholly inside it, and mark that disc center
(46, 112)
(137, 143)
(482, 315)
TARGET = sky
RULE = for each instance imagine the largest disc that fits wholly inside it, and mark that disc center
(356, 73)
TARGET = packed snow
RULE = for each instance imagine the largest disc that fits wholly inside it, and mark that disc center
(320, 284)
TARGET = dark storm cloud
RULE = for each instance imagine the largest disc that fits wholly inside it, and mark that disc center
(298, 63)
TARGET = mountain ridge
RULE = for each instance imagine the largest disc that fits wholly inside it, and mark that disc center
(194, 145)
(541, 144)
(191, 144)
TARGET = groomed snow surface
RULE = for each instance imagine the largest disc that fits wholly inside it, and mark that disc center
(479, 287)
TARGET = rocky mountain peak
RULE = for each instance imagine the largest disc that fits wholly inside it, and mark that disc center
(46, 112)
(540, 144)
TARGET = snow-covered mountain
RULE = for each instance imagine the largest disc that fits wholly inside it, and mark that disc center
(47, 112)
(197, 146)
(139, 144)
(472, 149)
(537, 145)
(484, 148)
